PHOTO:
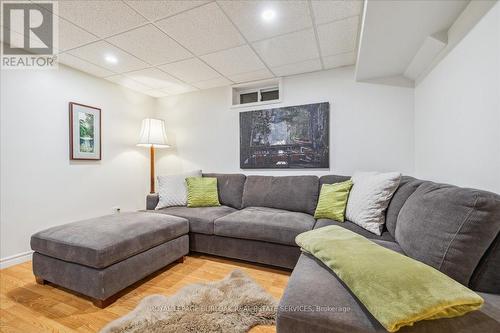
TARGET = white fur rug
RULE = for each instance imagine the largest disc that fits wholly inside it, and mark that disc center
(234, 304)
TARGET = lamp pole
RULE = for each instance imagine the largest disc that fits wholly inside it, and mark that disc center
(152, 161)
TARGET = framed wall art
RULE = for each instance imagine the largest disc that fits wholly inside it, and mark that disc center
(84, 132)
(288, 137)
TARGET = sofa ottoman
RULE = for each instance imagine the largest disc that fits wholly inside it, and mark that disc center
(101, 256)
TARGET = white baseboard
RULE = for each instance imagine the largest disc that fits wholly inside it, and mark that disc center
(15, 259)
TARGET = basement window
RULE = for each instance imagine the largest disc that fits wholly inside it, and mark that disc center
(256, 93)
(270, 94)
(249, 97)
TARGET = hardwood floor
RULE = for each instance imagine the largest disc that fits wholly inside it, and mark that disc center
(31, 308)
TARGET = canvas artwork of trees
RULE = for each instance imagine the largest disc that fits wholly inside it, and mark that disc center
(288, 137)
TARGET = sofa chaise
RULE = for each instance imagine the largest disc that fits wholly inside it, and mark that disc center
(453, 229)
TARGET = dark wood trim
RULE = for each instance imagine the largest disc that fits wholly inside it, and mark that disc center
(39, 280)
(152, 168)
(71, 133)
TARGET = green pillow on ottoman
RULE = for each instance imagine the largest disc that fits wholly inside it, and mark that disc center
(202, 192)
(333, 201)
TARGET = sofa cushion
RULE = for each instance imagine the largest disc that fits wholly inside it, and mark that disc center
(315, 300)
(448, 227)
(332, 179)
(389, 245)
(312, 287)
(354, 227)
(264, 224)
(294, 193)
(103, 241)
(486, 277)
(201, 219)
(230, 187)
(406, 187)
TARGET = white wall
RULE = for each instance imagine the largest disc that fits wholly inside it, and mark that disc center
(40, 186)
(371, 126)
(457, 112)
(447, 129)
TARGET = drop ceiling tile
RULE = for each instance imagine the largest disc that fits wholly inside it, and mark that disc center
(151, 45)
(82, 65)
(241, 59)
(16, 25)
(307, 66)
(178, 89)
(102, 18)
(156, 93)
(260, 74)
(96, 53)
(16, 39)
(328, 11)
(288, 49)
(339, 36)
(154, 78)
(339, 60)
(190, 70)
(68, 35)
(154, 9)
(202, 30)
(247, 15)
(128, 82)
(71, 36)
(220, 82)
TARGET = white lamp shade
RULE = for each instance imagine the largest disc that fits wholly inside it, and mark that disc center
(153, 133)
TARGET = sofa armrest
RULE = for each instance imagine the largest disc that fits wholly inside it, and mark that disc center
(152, 200)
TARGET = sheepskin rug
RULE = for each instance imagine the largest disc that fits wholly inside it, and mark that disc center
(234, 304)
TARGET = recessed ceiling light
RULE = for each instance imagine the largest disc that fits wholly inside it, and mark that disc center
(111, 59)
(268, 15)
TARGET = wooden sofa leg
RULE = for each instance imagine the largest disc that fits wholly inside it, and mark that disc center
(39, 280)
(103, 303)
(180, 260)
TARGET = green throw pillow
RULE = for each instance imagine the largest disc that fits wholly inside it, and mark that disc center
(202, 192)
(333, 201)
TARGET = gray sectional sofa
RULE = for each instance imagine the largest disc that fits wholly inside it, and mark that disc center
(455, 230)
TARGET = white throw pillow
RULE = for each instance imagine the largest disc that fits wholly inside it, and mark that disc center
(172, 189)
(369, 198)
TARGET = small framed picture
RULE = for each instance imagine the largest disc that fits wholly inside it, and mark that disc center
(84, 132)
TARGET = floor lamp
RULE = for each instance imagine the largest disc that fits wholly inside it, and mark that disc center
(153, 135)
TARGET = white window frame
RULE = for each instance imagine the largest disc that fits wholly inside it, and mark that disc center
(245, 88)
(248, 91)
